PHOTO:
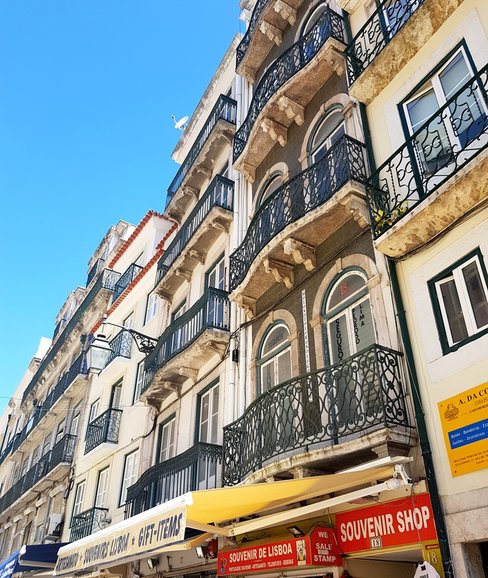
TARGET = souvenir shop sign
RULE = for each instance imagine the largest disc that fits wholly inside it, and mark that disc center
(319, 548)
(396, 523)
(464, 419)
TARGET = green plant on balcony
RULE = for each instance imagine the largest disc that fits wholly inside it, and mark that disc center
(385, 219)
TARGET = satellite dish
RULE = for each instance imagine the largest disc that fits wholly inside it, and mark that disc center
(180, 124)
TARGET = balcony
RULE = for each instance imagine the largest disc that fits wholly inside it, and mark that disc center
(211, 215)
(269, 19)
(77, 372)
(199, 468)
(213, 139)
(121, 346)
(88, 522)
(297, 217)
(126, 279)
(313, 416)
(436, 177)
(96, 298)
(103, 429)
(96, 269)
(286, 88)
(51, 468)
(186, 345)
(389, 39)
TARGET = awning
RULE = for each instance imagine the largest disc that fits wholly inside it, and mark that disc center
(163, 527)
(29, 558)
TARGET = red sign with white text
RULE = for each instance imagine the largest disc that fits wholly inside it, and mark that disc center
(391, 524)
(319, 548)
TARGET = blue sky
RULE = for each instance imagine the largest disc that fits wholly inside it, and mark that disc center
(87, 89)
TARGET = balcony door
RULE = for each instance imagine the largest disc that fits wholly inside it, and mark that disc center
(208, 432)
(179, 336)
(349, 330)
(166, 487)
(438, 141)
(216, 277)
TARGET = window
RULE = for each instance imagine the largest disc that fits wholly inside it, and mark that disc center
(79, 497)
(75, 422)
(275, 357)
(460, 299)
(140, 260)
(101, 495)
(178, 338)
(215, 276)
(93, 410)
(209, 415)
(270, 186)
(151, 307)
(459, 124)
(115, 395)
(139, 381)
(167, 440)
(129, 476)
(60, 432)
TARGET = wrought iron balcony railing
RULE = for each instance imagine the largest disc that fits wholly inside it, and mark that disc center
(211, 311)
(126, 279)
(88, 522)
(224, 109)
(78, 367)
(103, 429)
(345, 161)
(121, 346)
(220, 193)
(363, 392)
(106, 281)
(376, 33)
(199, 468)
(62, 452)
(95, 270)
(434, 153)
(253, 22)
(330, 25)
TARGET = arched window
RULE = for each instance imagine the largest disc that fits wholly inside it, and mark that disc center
(274, 359)
(327, 132)
(274, 182)
(313, 18)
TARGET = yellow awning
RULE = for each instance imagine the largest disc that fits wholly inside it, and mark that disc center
(162, 528)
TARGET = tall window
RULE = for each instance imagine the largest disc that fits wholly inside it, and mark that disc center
(101, 496)
(139, 381)
(208, 432)
(275, 357)
(93, 410)
(460, 298)
(151, 307)
(79, 497)
(215, 276)
(167, 440)
(129, 475)
(460, 123)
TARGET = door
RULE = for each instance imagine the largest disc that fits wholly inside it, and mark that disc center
(179, 336)
(208, 433)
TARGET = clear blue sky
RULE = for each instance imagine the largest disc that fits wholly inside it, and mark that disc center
(87, 89)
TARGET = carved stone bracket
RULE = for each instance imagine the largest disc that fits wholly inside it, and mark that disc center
(183, 273)
(286, 11)
(358, 209)
(198, 255)
(190, 191)
(248, 304)
(336, 61)
(189, 373)
(248, 170)
(281, 271)
(271, 32)
(221, 225)
(248, 73)
(205, 171)
(301, 253)
(292, 109)
(275, 130)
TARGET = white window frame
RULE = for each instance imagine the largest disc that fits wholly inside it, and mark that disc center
(272, 357)
(101, 494)
(168, 431)
(79, 498)
(94, 407)
(152, 305)
(212, 417)
(139, 381)
(129, 475)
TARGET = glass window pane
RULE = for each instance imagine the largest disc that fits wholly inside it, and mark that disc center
(454, 313)
(345, 289)
(362, 325)
(276, 337)
(284, 366)
(267, 377)
(477, 295)
(422, 108)
(339, 342)
(454, 75)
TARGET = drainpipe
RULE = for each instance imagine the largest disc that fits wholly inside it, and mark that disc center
(421, 426)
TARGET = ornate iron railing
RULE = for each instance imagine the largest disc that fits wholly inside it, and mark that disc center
(87, 522)
(345, 161)
(253, 22)
(96, 268)
(285, 67)
(434, 153)
(376, 33)
(106, 281)
(103, 429)
(78, 367)
(62, 452)
(121, 346)
(224, 109)
(220, 193)
(126, 279)
(199, 468)
(211, 311)
(324, 407)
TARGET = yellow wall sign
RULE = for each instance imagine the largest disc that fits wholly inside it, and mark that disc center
(464, 419)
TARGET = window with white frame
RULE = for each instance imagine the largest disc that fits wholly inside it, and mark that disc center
(151, 307)
(101, 496)
(167, 445)
(275, 357)
(129, 476)
(93, 410)
(209, 415)
(79, 497)
(139, 381)
(215, 276)
(460, 300)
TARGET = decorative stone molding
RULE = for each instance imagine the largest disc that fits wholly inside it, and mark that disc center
(248, 170)
(188, 372)
(275, 130)
(286, 11)
(198, 255)
(301, 253)
(348, 5)
(281, 271)
(248, 304)
(271, 32)
(183, 273)
(190, 191)
(293, 110)
(358, 209)
(205, 171)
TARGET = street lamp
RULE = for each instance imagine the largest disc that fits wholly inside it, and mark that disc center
(99, 350)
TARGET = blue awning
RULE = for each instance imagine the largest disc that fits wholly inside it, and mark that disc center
(29, 558)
